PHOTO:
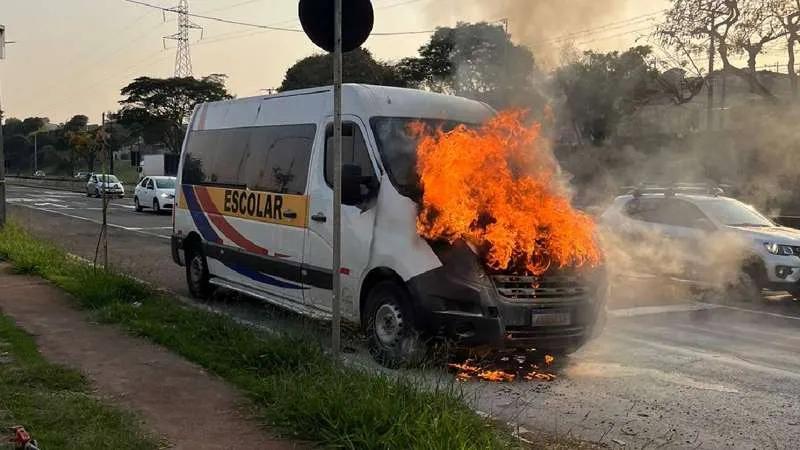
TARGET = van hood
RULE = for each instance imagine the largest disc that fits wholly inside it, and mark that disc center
(780, 235)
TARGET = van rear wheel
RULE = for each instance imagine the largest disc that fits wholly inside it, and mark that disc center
(393, 338)
(197, 275)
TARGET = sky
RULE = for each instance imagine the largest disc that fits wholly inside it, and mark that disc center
(72, 57)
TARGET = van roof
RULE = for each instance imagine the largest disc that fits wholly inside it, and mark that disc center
(313, 104)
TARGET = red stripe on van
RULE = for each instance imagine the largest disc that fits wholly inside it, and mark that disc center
(222, 225)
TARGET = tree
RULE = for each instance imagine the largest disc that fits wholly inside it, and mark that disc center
(475, 60)
(33, 124)
(77, 123)
(755, 29)
(358, 66)
(787, 13)
(690, 24)
(157, 109)
(18, 140)
(602, 88)
(87, 144)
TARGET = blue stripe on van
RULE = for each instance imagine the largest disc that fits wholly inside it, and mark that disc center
(198, 217)
(263, 278)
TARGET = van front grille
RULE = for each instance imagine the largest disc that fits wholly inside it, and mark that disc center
(544, 289)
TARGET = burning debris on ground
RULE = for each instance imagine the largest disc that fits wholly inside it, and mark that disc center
(505, 368)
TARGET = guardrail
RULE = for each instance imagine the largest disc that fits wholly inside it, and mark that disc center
(64, 184)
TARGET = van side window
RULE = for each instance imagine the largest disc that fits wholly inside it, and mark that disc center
(279, 157)
(273, 158)
(230, 146)
(199, 157)
(354, 151)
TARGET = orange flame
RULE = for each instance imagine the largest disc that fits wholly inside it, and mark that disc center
(467, 371)
(496, 187)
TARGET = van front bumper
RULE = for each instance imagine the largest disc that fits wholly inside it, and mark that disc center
(477, 310)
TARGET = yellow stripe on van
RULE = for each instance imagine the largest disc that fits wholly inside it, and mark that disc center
(259, 206)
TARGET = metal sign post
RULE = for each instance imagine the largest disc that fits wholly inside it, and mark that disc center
(325, 24)
(2, 156)
(337, 178)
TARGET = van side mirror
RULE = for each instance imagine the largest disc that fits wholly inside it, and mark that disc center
(352, 180)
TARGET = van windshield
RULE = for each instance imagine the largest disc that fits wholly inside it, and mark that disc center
(398, 149)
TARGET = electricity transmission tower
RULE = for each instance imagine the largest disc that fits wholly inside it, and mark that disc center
(183, 57)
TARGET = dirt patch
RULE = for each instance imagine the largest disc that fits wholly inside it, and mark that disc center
(177, 399)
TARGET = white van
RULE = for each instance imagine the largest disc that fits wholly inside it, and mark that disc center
(254, 215)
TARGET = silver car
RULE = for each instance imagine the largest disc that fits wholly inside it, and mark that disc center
(702, 237)
(104, 184)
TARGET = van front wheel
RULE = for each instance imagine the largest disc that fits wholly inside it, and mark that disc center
(393, 339)
(197, 275)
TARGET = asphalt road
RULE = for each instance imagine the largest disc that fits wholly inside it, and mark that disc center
(665, 373)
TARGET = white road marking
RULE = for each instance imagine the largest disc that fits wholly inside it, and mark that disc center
(650, 310)
(753, 311)
(72, 216)
(730, 359)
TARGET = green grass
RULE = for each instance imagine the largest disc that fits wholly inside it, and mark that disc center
(294, 386)
(55, 403)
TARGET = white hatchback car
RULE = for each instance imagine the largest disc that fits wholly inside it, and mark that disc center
(705, 233)
(157, 193)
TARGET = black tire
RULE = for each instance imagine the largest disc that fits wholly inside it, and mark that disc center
(96, 192)
(795, 293)
(744, 288)
(392, 336)
(136, 204)
(197, 275)
(156, 206)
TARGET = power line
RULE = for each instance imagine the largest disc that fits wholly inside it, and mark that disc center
(235, 5)
(629, 21)
(600, 29)
(603, 38)
(130, 70)
(217, 19)
(270, 27)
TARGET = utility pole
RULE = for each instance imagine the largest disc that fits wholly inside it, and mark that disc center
(722, 99)
(337, 179)
(104, 231)
(183, 57)
(2, 156)
(506, 63)
(710, 80)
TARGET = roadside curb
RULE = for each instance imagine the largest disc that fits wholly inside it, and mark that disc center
(185, 300)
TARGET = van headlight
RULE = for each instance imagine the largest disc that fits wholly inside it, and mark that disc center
(164, 195)
(779, 249)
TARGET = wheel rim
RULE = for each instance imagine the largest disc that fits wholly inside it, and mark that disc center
(389, 325)
(196, 271)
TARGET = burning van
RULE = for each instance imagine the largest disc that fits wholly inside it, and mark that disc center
(454, 223)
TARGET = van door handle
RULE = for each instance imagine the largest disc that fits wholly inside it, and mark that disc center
(290, 214)
(319, 217)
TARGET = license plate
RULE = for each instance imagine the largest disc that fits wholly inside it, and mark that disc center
(550, 319)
